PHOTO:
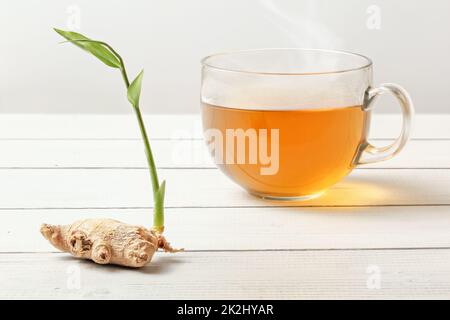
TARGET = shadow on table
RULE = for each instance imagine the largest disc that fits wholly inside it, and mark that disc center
(359, 192)
(160, 264)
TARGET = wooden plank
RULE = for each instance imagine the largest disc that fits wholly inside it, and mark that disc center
(28, 126)
(103, 153)
(91, 126)
(94, 188)
(360, 274)
(254, 228)
(174, 154)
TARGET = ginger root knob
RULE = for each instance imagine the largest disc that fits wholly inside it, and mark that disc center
(107, 241)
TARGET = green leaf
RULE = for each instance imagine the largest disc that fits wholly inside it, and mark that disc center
(96, 49)
(134, 90)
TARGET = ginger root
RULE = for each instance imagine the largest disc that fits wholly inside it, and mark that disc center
(107, 241)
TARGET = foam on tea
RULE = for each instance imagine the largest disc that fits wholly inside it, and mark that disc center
(315, 147)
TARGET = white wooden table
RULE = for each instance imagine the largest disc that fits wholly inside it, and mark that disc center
(383, 232)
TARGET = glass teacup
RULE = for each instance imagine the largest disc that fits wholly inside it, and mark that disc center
(290, 123)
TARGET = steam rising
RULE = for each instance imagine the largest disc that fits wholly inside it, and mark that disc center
(258, 92)
(302, 29)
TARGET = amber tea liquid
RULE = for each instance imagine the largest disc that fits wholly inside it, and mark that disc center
(317, 147)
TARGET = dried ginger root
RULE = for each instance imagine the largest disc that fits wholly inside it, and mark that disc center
(107, 241)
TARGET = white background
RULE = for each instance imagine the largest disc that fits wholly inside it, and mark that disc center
(169, 37)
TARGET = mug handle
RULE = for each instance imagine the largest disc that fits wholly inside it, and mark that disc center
(376, 154)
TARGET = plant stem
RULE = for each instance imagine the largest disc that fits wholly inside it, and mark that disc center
(158, 216)
(158, 200)
(158, 191)
(158, 210)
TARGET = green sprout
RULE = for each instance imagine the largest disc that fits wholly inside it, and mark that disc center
(105, 53)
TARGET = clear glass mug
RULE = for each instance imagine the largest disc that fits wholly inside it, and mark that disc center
(290, 123)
